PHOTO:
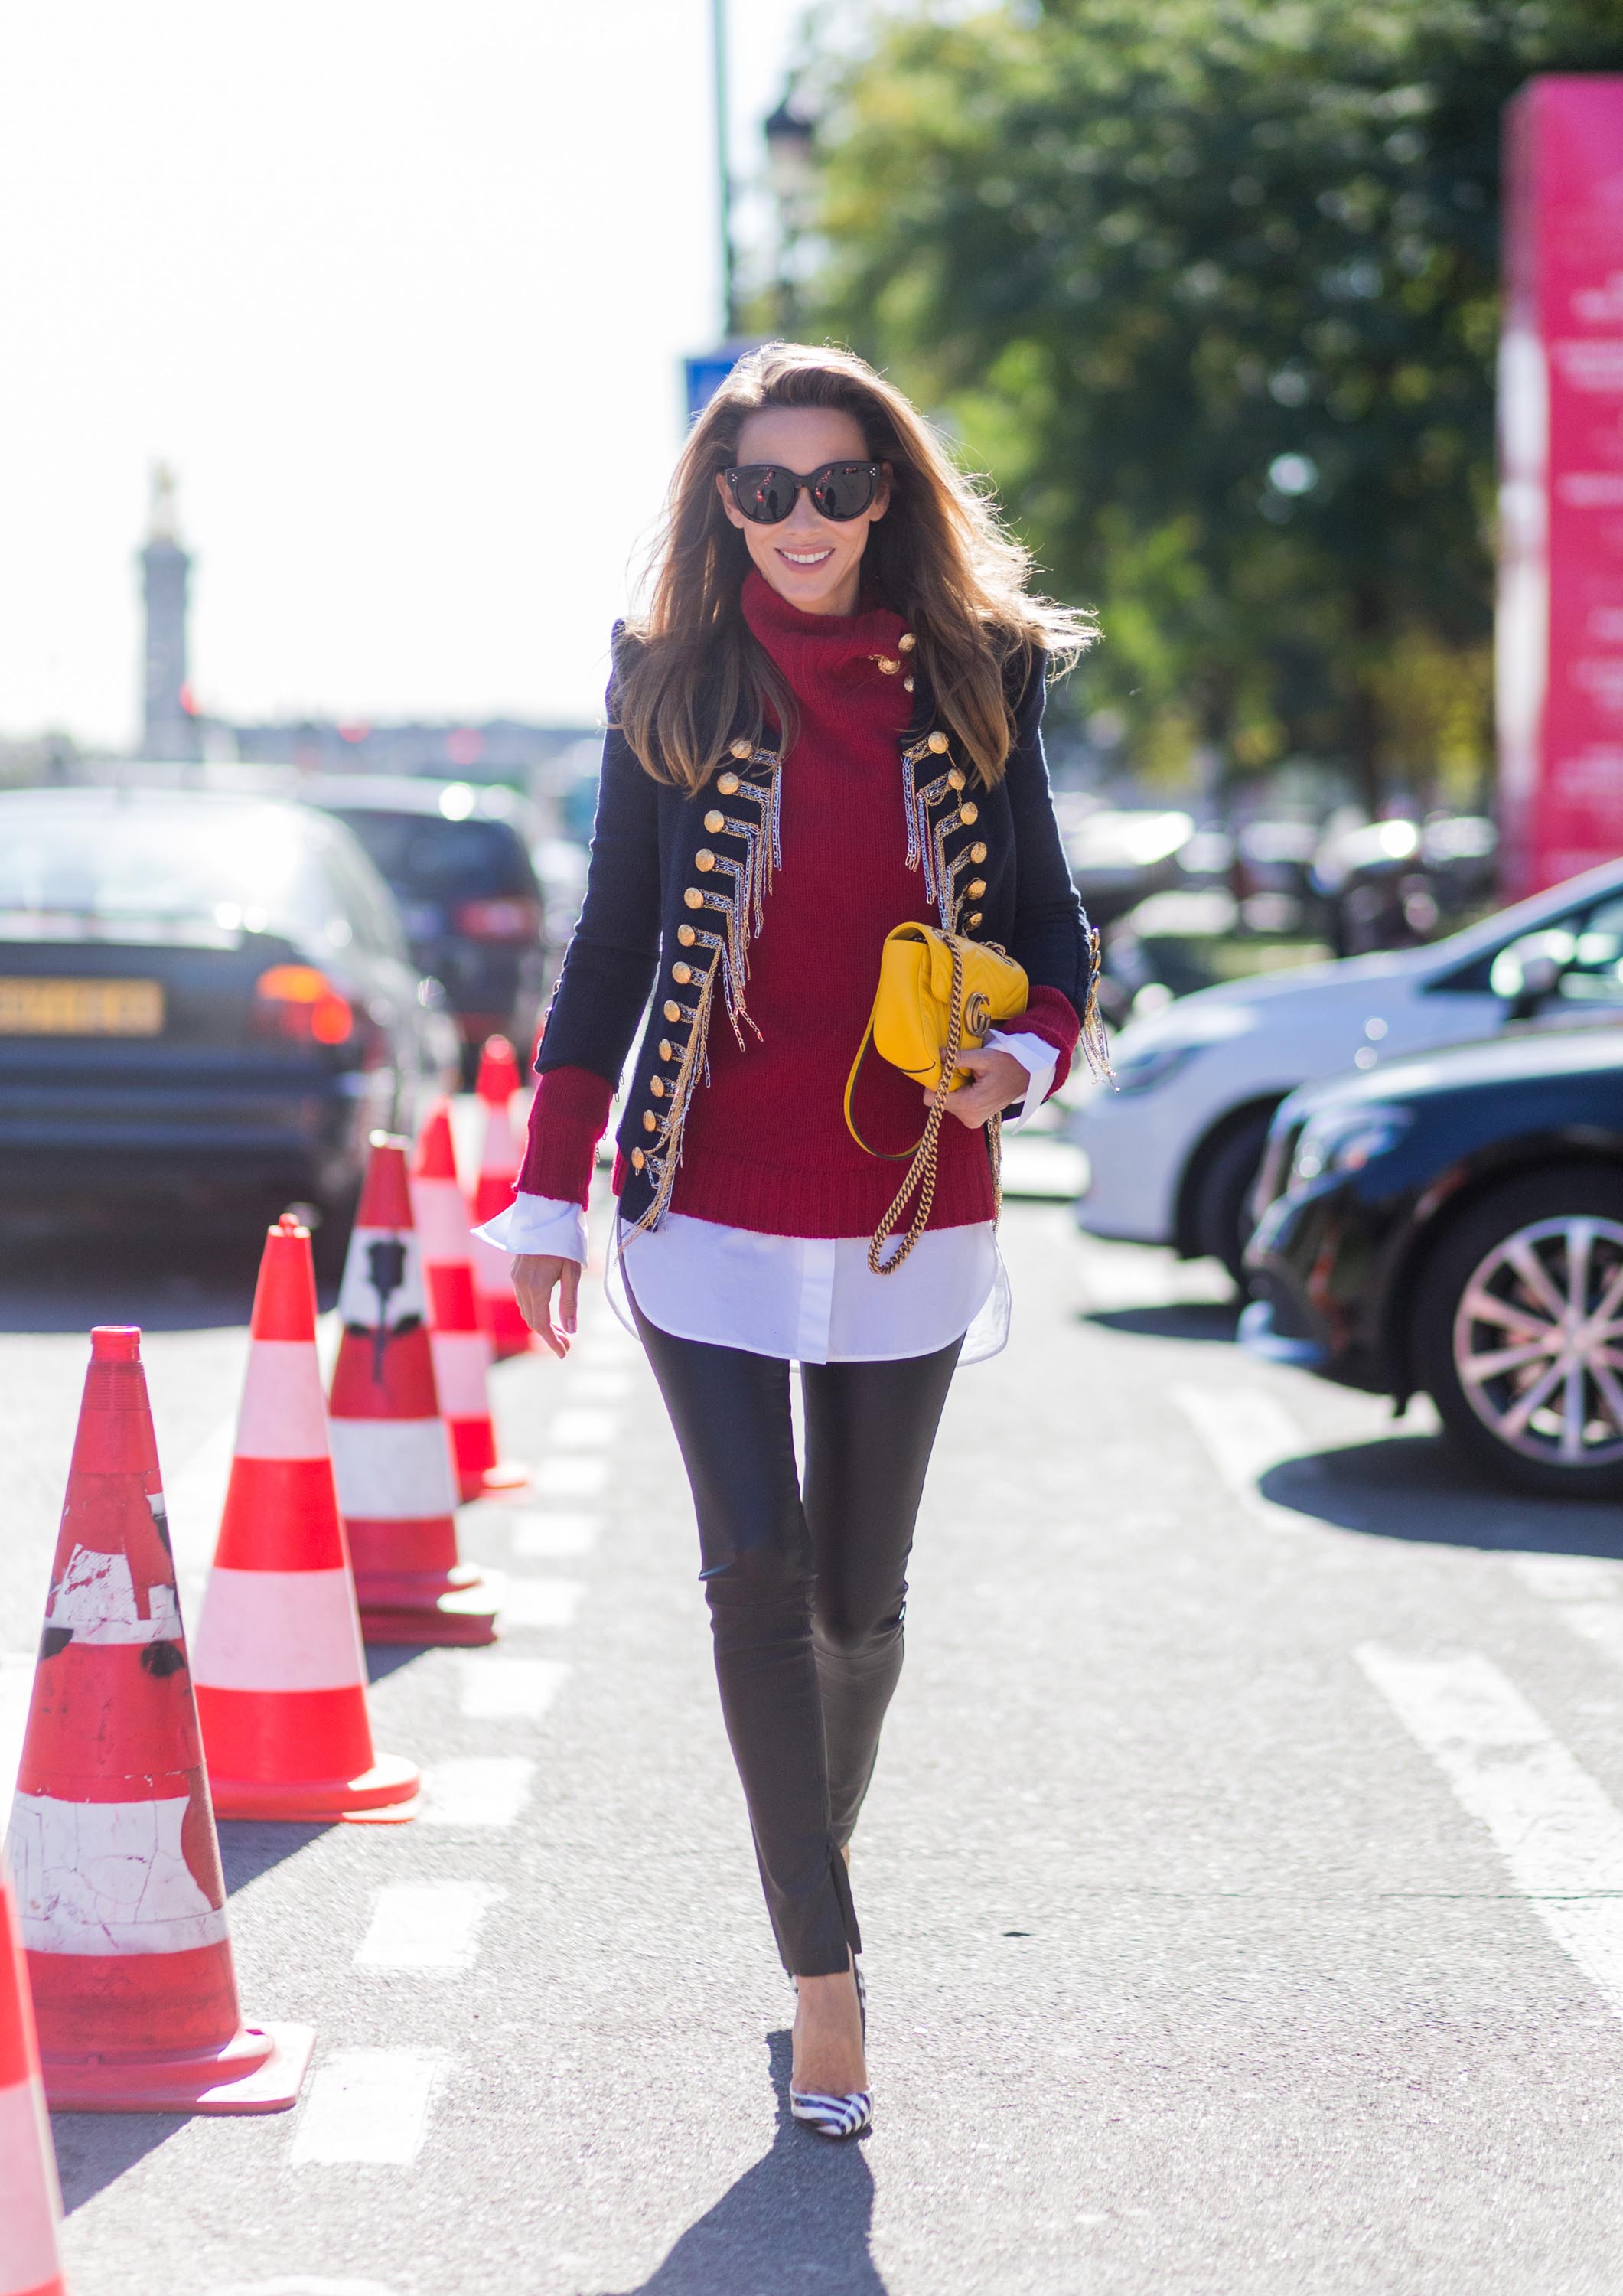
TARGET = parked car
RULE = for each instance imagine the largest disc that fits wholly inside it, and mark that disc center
(1456, 1224)
(458, 864)
(203, 1000)
(1172, 1153)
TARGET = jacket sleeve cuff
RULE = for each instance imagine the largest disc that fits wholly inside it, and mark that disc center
(566, 1122)
(549, 1225)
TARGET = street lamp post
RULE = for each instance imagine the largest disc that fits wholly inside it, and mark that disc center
(789, 136)
(724, 172)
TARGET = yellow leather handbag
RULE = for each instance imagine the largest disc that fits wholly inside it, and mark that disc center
(939, 994)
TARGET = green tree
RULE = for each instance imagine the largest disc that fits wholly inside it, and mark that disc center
(1209, 287)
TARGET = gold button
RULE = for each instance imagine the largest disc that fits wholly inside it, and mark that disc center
(656, 1085)
(728, 784)
(686, 936)
(978, 853)
(908, 685)
(974, 920)
(682, 973)
(704, 859)
(715, 822)
(673, 1010)
(693, 898)
(954, 779)
(887, 667)
(938, 742)
(651, 1122)
(743, 748)
(976, 890)
(906, 642)
(637, 1160)
(969, 815)
(667, 1051)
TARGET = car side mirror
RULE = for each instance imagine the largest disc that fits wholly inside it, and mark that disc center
(1529, 972)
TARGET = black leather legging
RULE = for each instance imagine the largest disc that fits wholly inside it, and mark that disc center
(807, 1592)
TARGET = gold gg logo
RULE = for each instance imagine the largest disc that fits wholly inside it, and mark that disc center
(977, 1012)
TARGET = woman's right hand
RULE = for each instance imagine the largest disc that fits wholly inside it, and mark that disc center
(536, 1276)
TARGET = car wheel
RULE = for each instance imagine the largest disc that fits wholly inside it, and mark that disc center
(1519, 1333)
(1223, 1195)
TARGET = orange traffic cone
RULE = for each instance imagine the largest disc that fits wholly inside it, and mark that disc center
(460, 1346)
(30, 2206)
(396, 1483)
(498, 1168)
(112, 1838)
(281, 1675)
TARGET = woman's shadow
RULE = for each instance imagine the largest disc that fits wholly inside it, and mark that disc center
(799, 2219)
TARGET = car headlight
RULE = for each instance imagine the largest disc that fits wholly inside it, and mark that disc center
(1346, 1140)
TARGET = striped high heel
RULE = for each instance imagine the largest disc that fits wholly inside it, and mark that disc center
(837, 2115)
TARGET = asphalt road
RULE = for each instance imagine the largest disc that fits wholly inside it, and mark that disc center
(1243, 1883)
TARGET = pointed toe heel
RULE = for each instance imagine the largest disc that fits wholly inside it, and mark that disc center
(833, 2115)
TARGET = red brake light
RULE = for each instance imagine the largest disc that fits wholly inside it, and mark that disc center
(297, 1001)
(515, 917)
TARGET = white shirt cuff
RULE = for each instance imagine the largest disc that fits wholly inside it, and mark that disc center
(551, 1227)
(1039, 1060)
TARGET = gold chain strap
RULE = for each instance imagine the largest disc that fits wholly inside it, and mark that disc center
(921, 1172)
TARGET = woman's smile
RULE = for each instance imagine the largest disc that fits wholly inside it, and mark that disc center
(805, 557)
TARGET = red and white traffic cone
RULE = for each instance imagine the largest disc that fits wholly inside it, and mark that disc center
(397, 1481)
(498, 1170)
(280, 1672)
(30, 2205)
(113, 1840)
(460, 1345)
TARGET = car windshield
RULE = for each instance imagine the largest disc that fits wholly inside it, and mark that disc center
(117, 869)
(437, 860)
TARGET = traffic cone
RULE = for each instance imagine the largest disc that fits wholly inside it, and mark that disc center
(498, 1169)
(281, 1675)
(460, 1345)
(30, 2205)
(396, 1483)
(112, 1838)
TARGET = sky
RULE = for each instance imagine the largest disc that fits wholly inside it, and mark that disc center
(399, 290)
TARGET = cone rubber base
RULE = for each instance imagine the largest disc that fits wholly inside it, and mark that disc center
(506, 1475)
(261, 2071)
(464, 1616)
(387, 1794)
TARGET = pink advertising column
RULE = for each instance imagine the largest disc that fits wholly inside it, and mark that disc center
(1559, 637)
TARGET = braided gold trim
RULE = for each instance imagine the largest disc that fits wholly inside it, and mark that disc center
(680, 1094)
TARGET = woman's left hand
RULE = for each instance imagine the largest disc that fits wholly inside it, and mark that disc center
(997, 1078)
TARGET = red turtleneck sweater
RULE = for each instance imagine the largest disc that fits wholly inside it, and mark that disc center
(765, 1146)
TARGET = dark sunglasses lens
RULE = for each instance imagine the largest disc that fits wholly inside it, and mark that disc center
(844, 489)
(765, 493)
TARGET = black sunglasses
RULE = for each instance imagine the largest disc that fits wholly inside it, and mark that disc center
(765, 493)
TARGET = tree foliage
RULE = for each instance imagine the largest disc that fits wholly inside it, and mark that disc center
(1209, 287)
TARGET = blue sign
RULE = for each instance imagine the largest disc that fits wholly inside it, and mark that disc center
(704, 375)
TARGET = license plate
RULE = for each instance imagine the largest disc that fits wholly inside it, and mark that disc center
(80, 1008)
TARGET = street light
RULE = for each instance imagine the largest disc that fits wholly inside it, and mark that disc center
(789, 137)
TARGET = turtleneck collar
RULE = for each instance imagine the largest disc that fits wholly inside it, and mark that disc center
(829, 654)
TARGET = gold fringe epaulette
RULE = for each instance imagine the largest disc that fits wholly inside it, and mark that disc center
(1096, 1039)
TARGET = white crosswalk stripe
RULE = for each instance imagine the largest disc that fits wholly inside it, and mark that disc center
(572, 1478)
(582, 1427)
(368, 2106)
(425, 1925)
(500, 1689)
(1559, 1833)
(544, 1538)
(477, 1790)
(541, 1602)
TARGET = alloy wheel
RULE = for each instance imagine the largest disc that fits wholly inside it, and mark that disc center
(1538, 1341)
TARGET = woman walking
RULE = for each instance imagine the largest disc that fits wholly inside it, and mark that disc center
(824, 727)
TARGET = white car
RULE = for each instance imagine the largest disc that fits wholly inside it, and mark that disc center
(1172, 1153)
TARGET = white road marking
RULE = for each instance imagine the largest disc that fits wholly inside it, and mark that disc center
(368, 2106)
(541, 1602)
(476, 1790)
(570, 1479)
(578, 1428)
(1557, 1831)
(600, 1383)
(425, 1925)
(1568, 1578)
(543, 1537)
(1245, 1433)
(496, 1689)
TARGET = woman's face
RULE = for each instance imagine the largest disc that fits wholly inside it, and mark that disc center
(812, 561)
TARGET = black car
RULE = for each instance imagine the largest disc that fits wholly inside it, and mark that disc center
(204, 1000)
(1454, 1224)
(456, 860)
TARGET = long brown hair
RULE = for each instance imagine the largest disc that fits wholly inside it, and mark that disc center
(941, 557)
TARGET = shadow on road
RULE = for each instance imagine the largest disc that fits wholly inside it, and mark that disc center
(1415, 1488)
(249, 1847)
(1178, 1319)
(94, 2149)
(800, 2218)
